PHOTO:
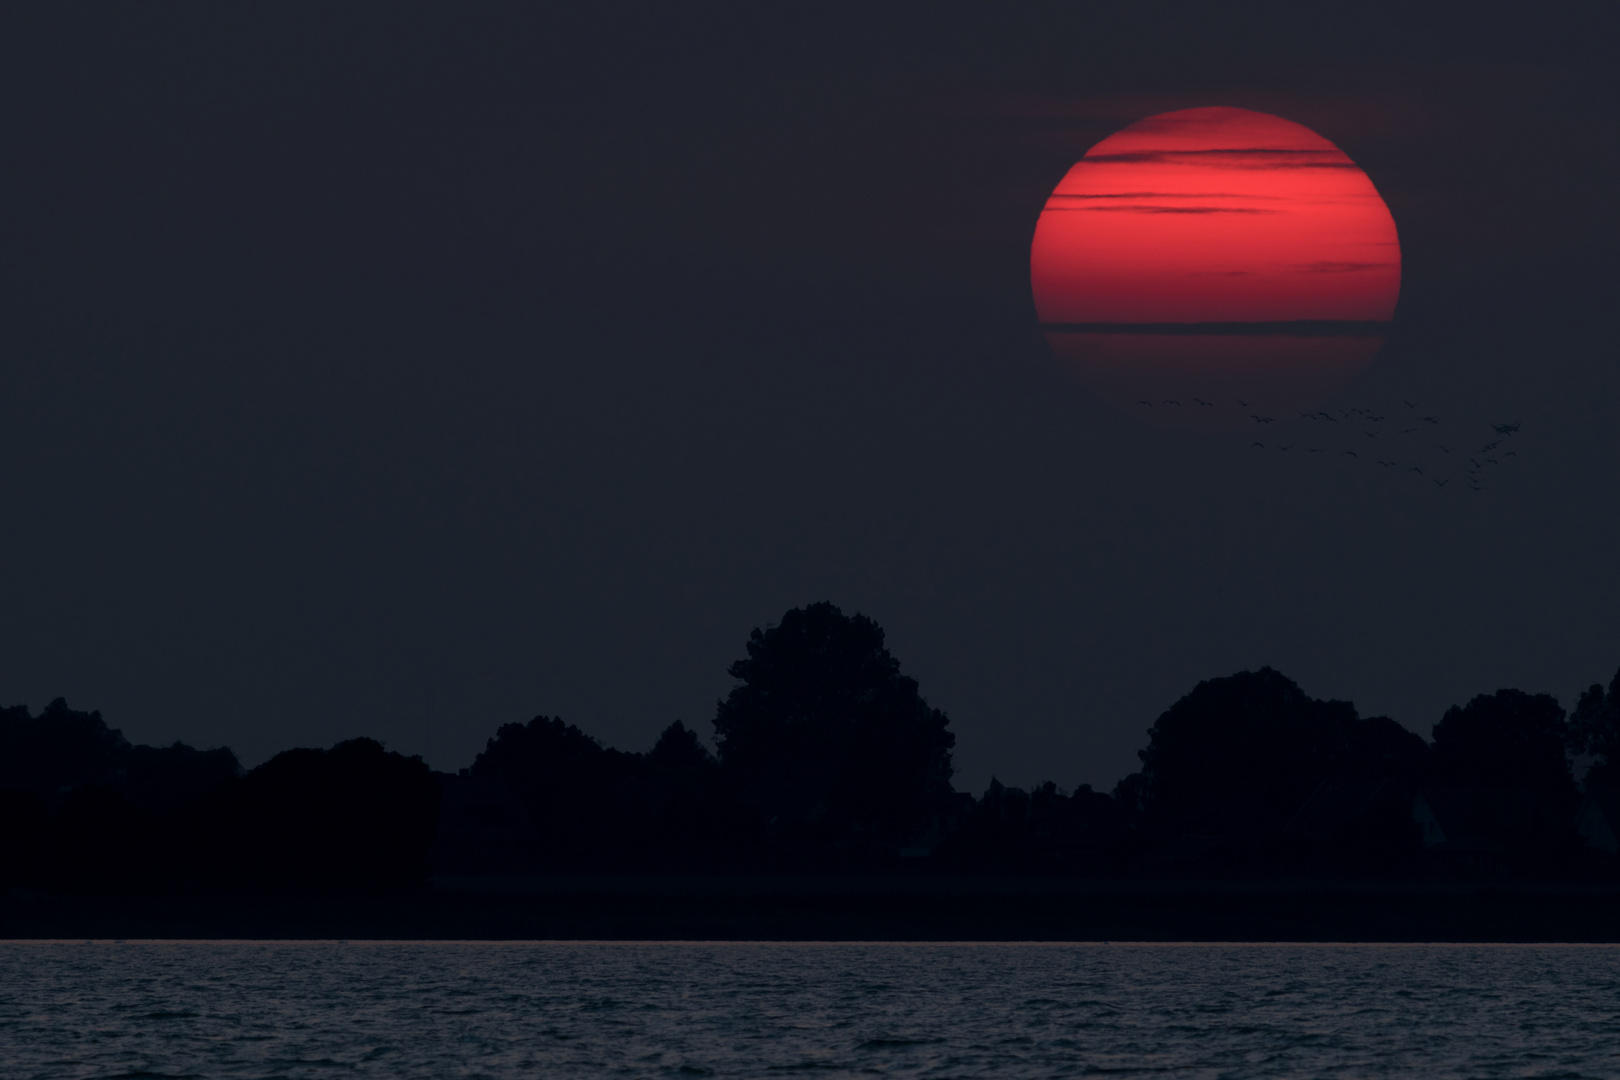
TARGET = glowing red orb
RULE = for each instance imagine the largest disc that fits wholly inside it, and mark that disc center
(1215, 253)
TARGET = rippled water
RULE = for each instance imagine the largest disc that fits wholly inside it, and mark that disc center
(566, 1009)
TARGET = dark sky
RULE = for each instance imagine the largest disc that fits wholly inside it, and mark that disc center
(407, 372)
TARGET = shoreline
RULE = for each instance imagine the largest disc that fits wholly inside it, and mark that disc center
(590, 908)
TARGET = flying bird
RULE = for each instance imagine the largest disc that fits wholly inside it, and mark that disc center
(1407, 430)
(1201, 401)
(1430, 420)
(1263, 419)
(1444, 449)
(1352, 453)
(1243, 403)
(1290, 446)
(1261, 445)
(1441, 483)
(1314, 450)
(1177, 404)
(1370, 434)
(1409, 404)
(1511, 453)
(1386, 464)
(1416, 470)
(1504, 429)
(1149, 404)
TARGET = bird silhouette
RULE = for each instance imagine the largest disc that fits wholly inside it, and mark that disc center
(1441, 483)
(1370, 434)
(1444, 449)
(1416, 470)
(1149, 404)
(1263, 419)
(1409, 404)
(1290, 446)
(1177, 404)
(1511, 453)
(1386, 464)
(1314, 450)
(1352, 453)
(1430, 420)
(1201, 401)
(1261, 445)
(1243, 403)
(1407, 430)
(1488, 447)
(1504, 429)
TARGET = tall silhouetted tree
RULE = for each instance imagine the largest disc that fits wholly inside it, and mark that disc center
(1505, 739)
(821, 694)
(1595, 729)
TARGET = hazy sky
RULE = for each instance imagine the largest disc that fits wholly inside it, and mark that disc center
(375, 370)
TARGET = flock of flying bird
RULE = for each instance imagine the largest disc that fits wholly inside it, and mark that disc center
(1396, 427)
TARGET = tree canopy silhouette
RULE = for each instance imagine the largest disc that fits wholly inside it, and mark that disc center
(353, 815)
(576, 792)
(61, 748)
(1594, 729)
(821, 693)
(65, 749)
(1505, 739)
(1254, 743)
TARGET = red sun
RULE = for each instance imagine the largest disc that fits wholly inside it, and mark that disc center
(1212, 254)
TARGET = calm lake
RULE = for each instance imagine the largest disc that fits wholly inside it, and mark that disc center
(321, 1009)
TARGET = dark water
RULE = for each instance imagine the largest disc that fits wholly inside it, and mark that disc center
(586, 1010)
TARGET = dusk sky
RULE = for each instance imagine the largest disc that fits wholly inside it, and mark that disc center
(407, 371)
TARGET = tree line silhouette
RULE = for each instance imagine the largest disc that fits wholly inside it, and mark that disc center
(827, 758)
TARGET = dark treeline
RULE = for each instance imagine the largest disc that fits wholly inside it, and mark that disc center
(81, 807)
(829, 758)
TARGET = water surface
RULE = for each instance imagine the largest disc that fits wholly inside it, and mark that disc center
(321, 1009)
